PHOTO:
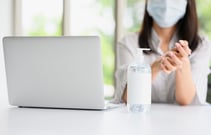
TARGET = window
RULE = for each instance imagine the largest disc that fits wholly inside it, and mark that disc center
(96, 17)
(134, 15)
(42, 18)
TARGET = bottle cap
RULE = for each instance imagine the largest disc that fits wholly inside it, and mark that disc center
(140, 55)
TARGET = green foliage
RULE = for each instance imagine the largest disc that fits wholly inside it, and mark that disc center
(107, 3)
(203, 7)
(131, 3)
(134, 6)
(108, 58)
(40, 24)
(107, 54)
(209, 89)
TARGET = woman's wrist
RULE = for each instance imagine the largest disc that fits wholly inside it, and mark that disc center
(185, 66)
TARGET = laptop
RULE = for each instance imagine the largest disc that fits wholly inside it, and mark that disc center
(54, 72)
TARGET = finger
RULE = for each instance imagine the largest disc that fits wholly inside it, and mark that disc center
(168, 65)
(185, 45)
(169, 57)
(180, 50)
(175, 60)
(164, 69)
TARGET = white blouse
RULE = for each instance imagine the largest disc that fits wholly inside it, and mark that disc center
(163, 87)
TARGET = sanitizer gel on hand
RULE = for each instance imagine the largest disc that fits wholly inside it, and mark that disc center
(139, 84)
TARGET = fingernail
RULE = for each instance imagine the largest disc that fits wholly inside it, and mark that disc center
(177, 45)
(170, 54)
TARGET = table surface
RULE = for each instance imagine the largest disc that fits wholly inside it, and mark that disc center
(163, 119)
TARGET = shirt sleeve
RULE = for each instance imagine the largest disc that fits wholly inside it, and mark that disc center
(200, 70)
(125, 55)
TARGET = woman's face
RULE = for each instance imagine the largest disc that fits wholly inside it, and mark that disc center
(166, 13)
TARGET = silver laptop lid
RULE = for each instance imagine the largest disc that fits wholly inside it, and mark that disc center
(61, 72)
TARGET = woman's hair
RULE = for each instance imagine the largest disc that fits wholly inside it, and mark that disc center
(187, 27)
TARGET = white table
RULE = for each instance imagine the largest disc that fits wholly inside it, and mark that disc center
(163, 119)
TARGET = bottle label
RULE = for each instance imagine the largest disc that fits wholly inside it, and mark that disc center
(139, 88)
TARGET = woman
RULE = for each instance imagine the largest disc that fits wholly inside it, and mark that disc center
(179, 56)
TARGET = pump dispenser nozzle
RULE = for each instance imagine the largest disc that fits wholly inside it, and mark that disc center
(140, 55)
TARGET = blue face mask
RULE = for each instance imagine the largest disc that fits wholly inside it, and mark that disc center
(166, 13)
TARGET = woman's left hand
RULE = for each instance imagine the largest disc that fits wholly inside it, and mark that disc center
(182, 49)
(182, 52)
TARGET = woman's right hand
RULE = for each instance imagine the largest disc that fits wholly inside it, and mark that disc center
(170, 62)
(175, 58)
(167, 63)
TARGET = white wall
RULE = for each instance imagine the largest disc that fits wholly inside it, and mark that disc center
(6, 13)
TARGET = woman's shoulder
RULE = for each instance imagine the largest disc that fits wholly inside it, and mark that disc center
(204, 43)
(130, 39)
(204, 46)
(204, 37)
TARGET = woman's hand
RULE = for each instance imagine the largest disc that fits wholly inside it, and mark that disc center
(176, 58)
(182, 49)
(170, 62)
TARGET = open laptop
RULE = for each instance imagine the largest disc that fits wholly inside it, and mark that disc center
(54, 72)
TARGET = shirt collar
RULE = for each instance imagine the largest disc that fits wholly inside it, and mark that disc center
(156, 42)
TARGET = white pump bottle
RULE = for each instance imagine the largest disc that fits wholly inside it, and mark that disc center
(139, 84)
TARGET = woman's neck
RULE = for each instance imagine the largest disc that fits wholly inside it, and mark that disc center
(164, 34)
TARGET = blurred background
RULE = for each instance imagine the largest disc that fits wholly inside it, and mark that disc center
(109, 19)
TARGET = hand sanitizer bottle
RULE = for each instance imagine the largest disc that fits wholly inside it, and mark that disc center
(139, 84)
